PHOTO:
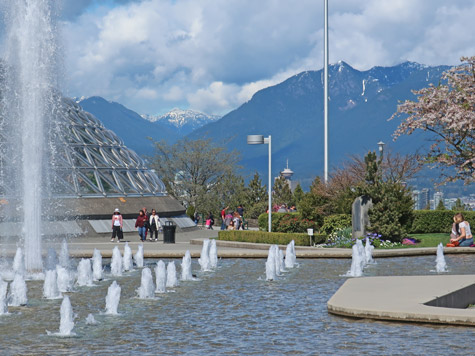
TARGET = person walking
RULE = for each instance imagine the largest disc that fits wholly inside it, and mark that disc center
(155, 225)
(117, 223)
(140, 224)
(210, 221)
(240, 211)
(465, 237)
(223, 218)
(146, 221)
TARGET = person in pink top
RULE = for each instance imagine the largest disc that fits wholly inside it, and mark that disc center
(117, 226)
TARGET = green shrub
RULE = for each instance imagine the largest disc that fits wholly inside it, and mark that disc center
(190, 211)
(287, 222)
(437, 221)
(335, 222)
(278, 238)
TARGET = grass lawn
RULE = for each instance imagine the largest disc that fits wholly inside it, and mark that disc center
(430, 240)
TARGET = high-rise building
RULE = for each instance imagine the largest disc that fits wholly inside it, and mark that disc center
(424, 199)
(415, 198)
(420, 198)
(438, 196)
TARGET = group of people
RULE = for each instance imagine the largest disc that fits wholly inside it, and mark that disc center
(461, 234)
(144, 224)
(232, 220)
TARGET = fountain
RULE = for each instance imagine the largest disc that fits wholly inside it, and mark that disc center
(361, 252)
(51, 259)
(280, 258)
(271, 274)
(186, 274)
(204, 257)
(368, 252)
(116, 263)
(278, 262)
(50, 286)
(30, 56)
(146, 289)
(160, 277)
(127, 260)
(97, 265)
(213, 254)
(90, 320)
(66, 324)
(18, 262)
(84, 273)
(290, 255)
(64, 279)
(441, 266)
(18, 292)
(64, 255)
(356, 269)
(3, 297)
(138, 257)
(172, 281)
(113, 298)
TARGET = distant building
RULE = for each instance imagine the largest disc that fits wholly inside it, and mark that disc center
(438, 196)
(287, 173)
(420, 198)
(415, 198)
(424, 199)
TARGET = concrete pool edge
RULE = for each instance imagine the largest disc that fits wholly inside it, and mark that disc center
(402, 298)
(323, 252)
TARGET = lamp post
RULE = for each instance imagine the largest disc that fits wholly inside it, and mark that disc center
(260, 140)
(381, 148)
(325, 93)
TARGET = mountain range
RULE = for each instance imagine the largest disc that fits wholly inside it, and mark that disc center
(134, 128)
(183, 121)
(360, 103)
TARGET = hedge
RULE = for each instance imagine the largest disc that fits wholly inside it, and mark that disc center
(437, 221)
(262, 237)
(287, 222)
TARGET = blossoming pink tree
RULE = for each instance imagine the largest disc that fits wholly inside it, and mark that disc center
(448, 111)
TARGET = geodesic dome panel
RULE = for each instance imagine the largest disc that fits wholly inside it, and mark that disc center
(88, 160)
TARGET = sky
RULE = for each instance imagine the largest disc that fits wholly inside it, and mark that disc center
(213, 55)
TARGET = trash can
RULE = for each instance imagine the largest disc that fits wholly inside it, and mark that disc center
(169, 232)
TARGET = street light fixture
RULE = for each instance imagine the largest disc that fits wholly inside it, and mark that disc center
(260, 140)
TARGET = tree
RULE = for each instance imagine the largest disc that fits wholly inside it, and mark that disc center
(281, 191)
(458, 206)
(312, 205)
(298, 194)
(391, 214)
(193, 171)
(440, 206)
(448, 111)
(256, 197)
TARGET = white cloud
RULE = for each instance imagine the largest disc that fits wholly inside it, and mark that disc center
(154, 54)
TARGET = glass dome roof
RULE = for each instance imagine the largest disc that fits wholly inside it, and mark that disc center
(88, 160)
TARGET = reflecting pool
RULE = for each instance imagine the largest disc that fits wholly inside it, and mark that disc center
(231, 311)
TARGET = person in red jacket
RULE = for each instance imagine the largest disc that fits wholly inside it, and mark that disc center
(140, 223)
(117, 226)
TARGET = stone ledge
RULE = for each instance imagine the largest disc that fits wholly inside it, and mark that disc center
(321, 252)
(402, 299)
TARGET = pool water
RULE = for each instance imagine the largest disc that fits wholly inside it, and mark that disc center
(232, 311)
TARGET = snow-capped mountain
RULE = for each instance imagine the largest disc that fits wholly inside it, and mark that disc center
(292, 113)
(185, 121)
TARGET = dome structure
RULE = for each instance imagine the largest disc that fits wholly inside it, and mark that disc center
(88, 160)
